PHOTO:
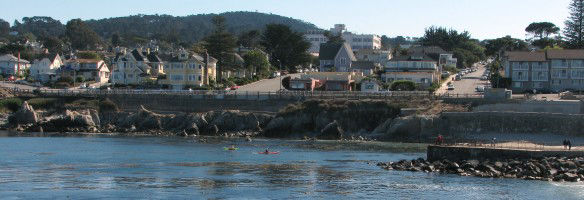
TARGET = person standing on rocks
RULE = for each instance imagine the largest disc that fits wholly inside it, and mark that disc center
(439, 139)
(565, 143)
(569, 145)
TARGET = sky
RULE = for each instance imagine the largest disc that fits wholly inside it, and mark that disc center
(483, 19)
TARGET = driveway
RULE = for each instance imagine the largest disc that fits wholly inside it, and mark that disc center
(265, 85)
(469, 82)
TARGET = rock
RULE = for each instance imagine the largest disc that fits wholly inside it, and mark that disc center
(383, 127)
(212, 130)
(332, 131)
(192, 130)
(404, 127)
(26, 115)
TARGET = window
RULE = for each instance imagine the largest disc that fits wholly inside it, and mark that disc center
(520, 76)
(559, 73)
(577, 64)
(538, 85)
(539, 76)
(191, 77)
(343, 61)
(559, 64)
(517, 84)
(577, 74)
(177, 77)
(192, 65)
(200, 66)
(130, 75)
(539, 66)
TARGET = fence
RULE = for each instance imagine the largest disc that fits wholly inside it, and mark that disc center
(511, 144)
(217, 94)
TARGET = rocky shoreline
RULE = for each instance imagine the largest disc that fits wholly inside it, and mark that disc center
(545, 169)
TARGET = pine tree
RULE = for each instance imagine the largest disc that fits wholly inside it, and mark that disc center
(574, 31)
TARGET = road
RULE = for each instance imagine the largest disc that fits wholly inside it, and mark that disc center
(266, 85)
(469, 82)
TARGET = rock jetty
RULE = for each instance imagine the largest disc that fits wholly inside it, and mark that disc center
(544, 169)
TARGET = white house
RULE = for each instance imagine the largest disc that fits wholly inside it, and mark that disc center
(136, 67)
(10, 64)
(356, 41)
(45, 70)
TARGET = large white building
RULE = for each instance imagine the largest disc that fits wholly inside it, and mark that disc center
(10, 64)
(357, 41)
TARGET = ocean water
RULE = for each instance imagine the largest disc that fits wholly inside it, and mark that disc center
(100, 167)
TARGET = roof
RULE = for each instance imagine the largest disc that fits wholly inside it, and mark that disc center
(535, 56)
(12, 58)
(363, 65)
(565, 54)
(428, 50)
(328, 51)
(413, 57)
(138, 55)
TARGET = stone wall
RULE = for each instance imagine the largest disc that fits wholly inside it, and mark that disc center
(565, 107)
(437, 153)
(184, 103)
(508, 122)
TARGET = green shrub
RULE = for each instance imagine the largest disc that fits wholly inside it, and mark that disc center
(62, 85)
(403, 85)
(108, 105)
(65, 79)
(10, 104)
(80, 79)
(43, 103)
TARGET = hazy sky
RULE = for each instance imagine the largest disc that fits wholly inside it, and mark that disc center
(483, 19)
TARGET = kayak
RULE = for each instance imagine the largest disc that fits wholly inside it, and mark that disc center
(230, 149)
(263, 152)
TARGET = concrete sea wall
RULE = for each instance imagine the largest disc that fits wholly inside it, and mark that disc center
(454, 153)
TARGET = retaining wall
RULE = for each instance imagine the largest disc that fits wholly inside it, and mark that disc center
(565, 107)
(436, 153)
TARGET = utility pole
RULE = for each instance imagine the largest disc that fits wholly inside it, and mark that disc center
(280, 74)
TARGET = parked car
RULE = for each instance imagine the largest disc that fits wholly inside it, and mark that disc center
(457, 77)
(275, 74)
(235, 87)
(450, 87)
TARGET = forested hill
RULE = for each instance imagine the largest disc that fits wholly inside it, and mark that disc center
(189, 28)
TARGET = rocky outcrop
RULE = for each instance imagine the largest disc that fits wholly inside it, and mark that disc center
(26, 115)
(310, 117)
(545, 169)
(332, 131)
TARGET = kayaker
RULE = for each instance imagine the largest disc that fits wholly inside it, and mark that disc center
(267, 151)
(232, 147)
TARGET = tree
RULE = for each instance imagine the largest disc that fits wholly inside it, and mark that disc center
(249, 39)
(403, 85)
(220, 43)
(40, 26)
(333, 38)
(81, 36)
(116, 40)
(385, 42)
(542, 30)
(53, 44)
(257, 62)
(4, 28)
(88, 55)
(286, 47)
(466, 50)
(574, 30)
(507, 43)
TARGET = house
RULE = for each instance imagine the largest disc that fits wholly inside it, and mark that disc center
(368, 68)
(443, 57)
(336, 57)
(90, 69)
(233, 67)
(370, 86)
(334, 81)
(136, 67)
(374, 55)
(416, 67)
(45, 70)
(10, 64)
(550, 70)
(189, 69)
(355, 41)
(306, 84)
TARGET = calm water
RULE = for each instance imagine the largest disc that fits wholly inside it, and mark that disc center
(175, 168)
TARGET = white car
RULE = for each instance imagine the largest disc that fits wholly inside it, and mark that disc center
(480, 88)
(450, 87)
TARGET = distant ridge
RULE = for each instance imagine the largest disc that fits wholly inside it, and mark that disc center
(190, 28)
